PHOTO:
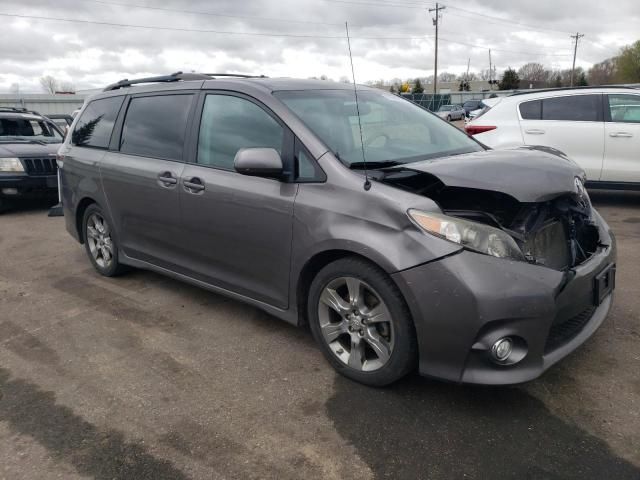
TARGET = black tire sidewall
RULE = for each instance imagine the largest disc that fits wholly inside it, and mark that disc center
(114, 268)
(404, 356)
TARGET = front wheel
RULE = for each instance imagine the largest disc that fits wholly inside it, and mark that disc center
(361, 322)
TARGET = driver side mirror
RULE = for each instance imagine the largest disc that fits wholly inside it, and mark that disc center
(258, 162)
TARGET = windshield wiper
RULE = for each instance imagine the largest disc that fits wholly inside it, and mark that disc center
(374, 165)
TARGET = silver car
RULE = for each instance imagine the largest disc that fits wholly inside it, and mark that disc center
(400, 241)
(451, 112)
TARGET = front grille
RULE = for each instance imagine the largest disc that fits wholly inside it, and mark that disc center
(40, 166)
(562, 333)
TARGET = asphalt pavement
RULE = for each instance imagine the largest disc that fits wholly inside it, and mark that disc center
(144, 377)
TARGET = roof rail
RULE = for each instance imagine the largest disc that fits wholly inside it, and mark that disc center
(18, 110)
(560, 89)
(174, 77)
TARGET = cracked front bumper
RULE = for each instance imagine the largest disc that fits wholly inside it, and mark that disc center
(463, 303)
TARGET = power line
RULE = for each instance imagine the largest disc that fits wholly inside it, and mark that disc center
(194, 30)
(223, 15)
(510, 22)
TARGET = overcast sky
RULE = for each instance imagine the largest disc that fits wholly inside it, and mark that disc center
(390, 38)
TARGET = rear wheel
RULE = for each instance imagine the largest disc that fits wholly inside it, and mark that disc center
(100, 242)
(361, 322)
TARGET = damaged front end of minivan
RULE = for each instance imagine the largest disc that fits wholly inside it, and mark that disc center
(550, 285)
(549, 226)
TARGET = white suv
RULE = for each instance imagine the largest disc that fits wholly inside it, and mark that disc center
(597, 127)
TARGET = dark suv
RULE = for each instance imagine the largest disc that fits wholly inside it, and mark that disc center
(401, 241)
(28, 146)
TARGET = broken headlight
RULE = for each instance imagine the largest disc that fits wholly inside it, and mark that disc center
(471, 235)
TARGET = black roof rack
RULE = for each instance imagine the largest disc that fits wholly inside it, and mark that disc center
(559, 89)
(175, 77)
(19, 110)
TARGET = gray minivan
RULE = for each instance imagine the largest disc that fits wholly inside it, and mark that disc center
(402, 242)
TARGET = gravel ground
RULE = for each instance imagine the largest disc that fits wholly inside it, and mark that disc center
(143, 377)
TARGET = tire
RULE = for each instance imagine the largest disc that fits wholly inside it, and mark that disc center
(99, 239)
(375, 346)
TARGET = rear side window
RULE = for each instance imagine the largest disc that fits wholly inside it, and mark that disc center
(231, 123)
(576, 108)
(155, 126)
(531, 110)
(95, 125)
(624, 108)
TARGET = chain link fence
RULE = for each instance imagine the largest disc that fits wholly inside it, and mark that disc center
(434, 102)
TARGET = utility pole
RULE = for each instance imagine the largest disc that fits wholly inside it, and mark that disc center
(436, 22)
(576, 37)
(490, 72)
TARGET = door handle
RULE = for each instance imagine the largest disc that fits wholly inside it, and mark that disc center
(167, 179)
(621, 134)
(193, 185)
(534, 131)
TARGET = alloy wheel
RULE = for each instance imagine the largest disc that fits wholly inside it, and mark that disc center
(99, 240)
(356, 324)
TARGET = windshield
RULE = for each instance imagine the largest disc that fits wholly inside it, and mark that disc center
(28, 130)
(394, 130)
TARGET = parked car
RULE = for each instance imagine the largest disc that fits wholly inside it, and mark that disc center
(62, 120)
(451, 112)
(406, 244)
(471, 105)
(597, 127)
(28, 145)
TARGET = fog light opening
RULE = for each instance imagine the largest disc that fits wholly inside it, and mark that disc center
(501, 350)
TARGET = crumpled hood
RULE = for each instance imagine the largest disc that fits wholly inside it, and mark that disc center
(528, 174)
(28, 149)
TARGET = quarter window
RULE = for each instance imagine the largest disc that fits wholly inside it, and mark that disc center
(230, 123)
(95, 125)
(531, 110)
(625, 108)
(155, 126)
(576, 108)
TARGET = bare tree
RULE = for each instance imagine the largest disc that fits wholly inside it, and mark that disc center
(447, 77)
(604, 73)
(49, 84)
(533, 72)
(67, 87)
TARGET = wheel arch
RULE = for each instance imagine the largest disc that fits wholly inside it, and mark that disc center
(316, 263)
(80, 209)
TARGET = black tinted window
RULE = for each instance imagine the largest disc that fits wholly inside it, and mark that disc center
(580, 108)
(231, 123)
(531, 110)
(155, 126)
(95, 125)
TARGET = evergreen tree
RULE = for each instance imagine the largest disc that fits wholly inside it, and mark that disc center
(510, 80)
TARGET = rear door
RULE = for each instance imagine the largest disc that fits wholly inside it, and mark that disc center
(572, 124)
(237, 229)
(622, 138)
(143, 188)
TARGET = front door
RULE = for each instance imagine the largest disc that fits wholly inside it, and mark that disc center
(237, 229)
(143, 180)
(622, 139)
(572, 124)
